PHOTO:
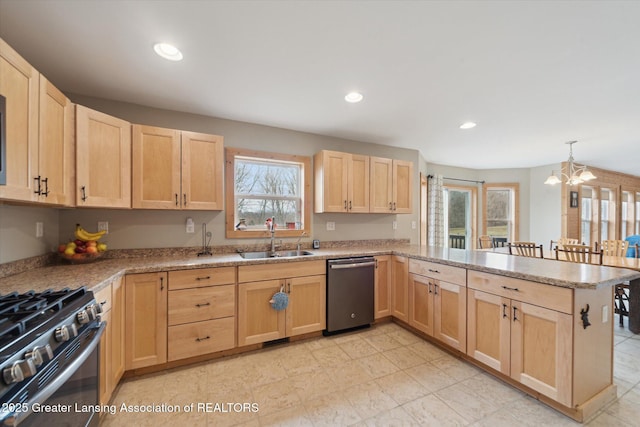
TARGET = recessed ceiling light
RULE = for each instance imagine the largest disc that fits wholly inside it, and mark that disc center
(168, 51)
(353, 97)
(467, 125)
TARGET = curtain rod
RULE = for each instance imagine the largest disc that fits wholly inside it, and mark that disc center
(458, 179)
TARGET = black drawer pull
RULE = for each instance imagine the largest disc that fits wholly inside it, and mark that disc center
(434, 271)
(203, 305)
(203, 278)
(202, 339)
(510, 289)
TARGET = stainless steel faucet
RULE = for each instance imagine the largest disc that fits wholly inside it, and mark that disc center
(304, 233)
(272, 230)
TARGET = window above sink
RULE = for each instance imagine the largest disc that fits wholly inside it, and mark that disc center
(262, 185)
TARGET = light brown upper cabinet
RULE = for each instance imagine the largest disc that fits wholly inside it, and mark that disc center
(56, 162)
(342, 182)
(391, 186)
(39, 134)
(103, 160)
(175, 169)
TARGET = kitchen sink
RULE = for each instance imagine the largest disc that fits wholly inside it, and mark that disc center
(279, 254)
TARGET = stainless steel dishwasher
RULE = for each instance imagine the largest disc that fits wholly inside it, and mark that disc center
(350, 291)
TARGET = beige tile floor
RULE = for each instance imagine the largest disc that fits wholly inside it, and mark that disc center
(382, 376)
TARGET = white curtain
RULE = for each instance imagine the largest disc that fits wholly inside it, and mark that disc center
(435, 212)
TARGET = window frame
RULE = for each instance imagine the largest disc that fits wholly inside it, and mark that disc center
(281, 232)
(514, 188)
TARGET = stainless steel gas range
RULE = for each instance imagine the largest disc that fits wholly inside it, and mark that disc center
(49, 358)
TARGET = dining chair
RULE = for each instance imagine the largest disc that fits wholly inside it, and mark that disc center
(485, 242)
(579, 253)
(563, 241)
(614, 247)
(620, 291)
(528, 249)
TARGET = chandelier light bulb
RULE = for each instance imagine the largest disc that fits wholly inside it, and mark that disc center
(572, 174)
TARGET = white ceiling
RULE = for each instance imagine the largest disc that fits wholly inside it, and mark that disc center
(532, 74)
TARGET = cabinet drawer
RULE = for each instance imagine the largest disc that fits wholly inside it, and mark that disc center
(194, 339)
(194, 305)
(254, 273)
(434, 270)
(548, 296)
(201, 277)
(103, 297)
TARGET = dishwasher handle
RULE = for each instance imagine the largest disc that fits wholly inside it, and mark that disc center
(352, 265)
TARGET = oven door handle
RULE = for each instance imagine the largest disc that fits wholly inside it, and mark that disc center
(17, 417)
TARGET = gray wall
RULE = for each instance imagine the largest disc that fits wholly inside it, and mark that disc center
(539, 204)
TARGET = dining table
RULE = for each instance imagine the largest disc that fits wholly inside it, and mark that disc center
(607, 261)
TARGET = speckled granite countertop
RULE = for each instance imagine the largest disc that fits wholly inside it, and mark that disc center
(96, 275)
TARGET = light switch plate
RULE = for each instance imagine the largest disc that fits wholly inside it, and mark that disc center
(39, 229)
(191, 227)
(605, 313)
(331, 226)
(395, 225)
(413, 225)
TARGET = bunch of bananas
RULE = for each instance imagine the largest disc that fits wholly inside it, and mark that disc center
(86, 236)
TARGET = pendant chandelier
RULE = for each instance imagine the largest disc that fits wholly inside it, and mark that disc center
(573, 174)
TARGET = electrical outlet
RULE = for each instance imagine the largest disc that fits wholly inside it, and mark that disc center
(413, 225)
(331, 226)
(39, 229)
(395, 225)
(605, 313)
(191, 227)
(103, 226)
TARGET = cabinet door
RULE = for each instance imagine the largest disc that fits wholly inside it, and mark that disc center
(381, 182)
(106, 363)
(56, 160)
(402, 186)
(103, 160)
(146, 319)
(156, 168)
(117, 331)
(488, 329)
(421, 298)
(450, 311)
(202, 171)
(541, 350)
(382, 285)
(400, 288)
(358, 184)
(257, 320)
(306, 311)
(19, 85)
(331, 180)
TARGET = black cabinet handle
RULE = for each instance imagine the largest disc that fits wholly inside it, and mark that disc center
(515, 317)
(45, 193)
(203, 304)
(38, 191)
(162, 283)
(202, 339)
(429, 286)
(504, 310)
(510, 289)
(83, 190)
(345, 205)
(184, 199)
(203, 278)
(390, 206)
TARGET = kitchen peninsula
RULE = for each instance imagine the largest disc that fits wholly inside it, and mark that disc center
(543, 326)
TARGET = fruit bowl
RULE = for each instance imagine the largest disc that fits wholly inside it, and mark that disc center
(83, 258)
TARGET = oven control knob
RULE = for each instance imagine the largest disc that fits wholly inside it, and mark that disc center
(20, 370)
(38, 355)
(82, 317)
(93, 310)
(66, 332)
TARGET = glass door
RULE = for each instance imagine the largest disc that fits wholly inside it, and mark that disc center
(459, 217)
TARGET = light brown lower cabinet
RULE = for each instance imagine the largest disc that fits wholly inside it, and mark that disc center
(146, 319)
(305, 284)
(523, 330)
(437, 307)
(400, 287)
(201, 312)
(112, 342)
(382, 286)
